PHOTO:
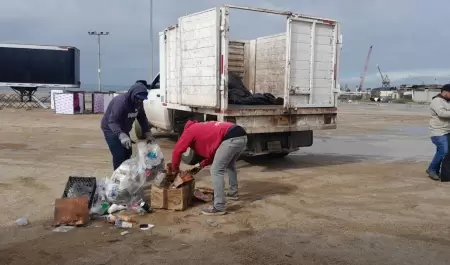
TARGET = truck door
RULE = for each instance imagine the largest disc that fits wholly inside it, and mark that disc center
(199, 36)
(157, 114)
(311, 65)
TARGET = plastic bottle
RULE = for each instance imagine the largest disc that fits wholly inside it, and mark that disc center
(160, 179)
(154, 156)
(111, 218)
(123, 224)
(152, 159)
(105, 207)
(22, 221)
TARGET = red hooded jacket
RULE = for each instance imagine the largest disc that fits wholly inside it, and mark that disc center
(204, 138)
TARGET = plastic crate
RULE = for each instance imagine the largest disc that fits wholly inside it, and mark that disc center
(81, 186)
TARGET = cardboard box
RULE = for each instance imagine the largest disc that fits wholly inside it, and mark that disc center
(71, 211)
(172, 199)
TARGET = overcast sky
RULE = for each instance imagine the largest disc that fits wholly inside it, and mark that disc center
(410, 37)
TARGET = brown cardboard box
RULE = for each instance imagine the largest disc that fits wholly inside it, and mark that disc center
(172, 199)
(71, 211)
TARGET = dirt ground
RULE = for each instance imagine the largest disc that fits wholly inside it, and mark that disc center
(359, 195)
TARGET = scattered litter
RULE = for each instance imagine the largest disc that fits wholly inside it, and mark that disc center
(212, 223)
(204, 194)
(181, 178)
(115, 208)
(123, 224)
(22, 221)
(124, 233)
(259, 198)
(140, 184)
(63, 228)
(145, 207)
(111, 218)
(146, 226)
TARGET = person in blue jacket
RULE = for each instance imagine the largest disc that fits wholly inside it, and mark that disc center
(118, 120)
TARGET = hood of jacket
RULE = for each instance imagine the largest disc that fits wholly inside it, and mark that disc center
(135, 89)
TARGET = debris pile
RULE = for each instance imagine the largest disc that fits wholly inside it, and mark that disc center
(138, 186)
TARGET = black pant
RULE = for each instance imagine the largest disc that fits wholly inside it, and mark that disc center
(118, 151)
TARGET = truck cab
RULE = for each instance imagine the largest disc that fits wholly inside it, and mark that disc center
(157, 114)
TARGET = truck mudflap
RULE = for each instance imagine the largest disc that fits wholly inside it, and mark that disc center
(277, 143)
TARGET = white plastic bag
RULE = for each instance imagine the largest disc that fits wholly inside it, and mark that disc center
(125, 184)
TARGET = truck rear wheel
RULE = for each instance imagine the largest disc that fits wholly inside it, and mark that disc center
(190, 157)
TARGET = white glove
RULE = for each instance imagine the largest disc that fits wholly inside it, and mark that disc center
(125, 140)
(149, 137)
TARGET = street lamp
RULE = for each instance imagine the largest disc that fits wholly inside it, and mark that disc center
(99, 34)
(151, 39)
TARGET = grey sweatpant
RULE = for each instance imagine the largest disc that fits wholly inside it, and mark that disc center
(225, 160)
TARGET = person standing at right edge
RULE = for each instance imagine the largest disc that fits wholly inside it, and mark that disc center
(439, 130)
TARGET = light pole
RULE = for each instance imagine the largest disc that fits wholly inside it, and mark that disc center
(99, 34)
(151, 40)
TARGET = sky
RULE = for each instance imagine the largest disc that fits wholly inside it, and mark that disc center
(410, 38)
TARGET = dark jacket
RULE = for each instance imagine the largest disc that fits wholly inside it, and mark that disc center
(123, 110)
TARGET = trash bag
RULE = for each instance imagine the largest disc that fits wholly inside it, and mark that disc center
(125, 185)
(238, 94)
(100, 204)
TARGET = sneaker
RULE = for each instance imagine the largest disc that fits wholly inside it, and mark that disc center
(232, 197)
(433, 175)
(210, 210)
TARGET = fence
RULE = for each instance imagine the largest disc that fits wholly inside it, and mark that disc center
(14, 101)
(424, 96)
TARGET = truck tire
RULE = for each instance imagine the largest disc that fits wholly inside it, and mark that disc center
(190, 157)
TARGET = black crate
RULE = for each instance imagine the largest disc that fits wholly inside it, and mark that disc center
(81, 186)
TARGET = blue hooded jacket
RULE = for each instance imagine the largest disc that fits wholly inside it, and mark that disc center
(123, 110)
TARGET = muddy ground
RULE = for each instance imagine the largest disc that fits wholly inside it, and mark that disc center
(359, 195)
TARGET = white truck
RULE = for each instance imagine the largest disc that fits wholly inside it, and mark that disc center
(299, 65)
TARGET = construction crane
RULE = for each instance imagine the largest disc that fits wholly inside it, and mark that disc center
(366, 65)
(385, 81)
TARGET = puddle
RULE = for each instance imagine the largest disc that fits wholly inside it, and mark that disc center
(412, 130)
(12, 146)
(397, 143)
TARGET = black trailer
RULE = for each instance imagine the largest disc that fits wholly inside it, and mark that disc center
(25, 67)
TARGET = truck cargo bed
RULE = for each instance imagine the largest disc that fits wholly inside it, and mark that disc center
(298, 65)
(253, 107)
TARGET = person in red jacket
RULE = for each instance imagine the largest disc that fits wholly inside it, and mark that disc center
(220, 144)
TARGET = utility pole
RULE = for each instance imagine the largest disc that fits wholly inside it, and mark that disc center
(99, 34)
(151, 41)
